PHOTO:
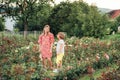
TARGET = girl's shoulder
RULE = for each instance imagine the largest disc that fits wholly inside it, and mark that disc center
(50, 33)
(41, 35)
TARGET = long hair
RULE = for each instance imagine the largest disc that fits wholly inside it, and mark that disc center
(44, 30)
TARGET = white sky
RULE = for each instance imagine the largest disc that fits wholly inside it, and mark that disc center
(9, 23)
(110, 4)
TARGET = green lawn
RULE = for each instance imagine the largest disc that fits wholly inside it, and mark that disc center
(112, 37)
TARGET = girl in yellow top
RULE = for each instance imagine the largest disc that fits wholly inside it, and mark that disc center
(60, 50)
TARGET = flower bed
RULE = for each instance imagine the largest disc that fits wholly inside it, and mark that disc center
(112, 75)
(20, 58)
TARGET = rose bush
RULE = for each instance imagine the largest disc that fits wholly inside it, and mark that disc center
(20, 58)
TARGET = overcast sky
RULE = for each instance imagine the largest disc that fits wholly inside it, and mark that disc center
(110, 4)
(9, 23)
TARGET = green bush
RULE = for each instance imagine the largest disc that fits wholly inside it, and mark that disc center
(20, 58)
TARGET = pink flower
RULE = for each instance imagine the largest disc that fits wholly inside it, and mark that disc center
(97, 57)
(106, 56)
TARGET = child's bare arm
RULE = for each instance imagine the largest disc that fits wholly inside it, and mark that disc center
(61, 46)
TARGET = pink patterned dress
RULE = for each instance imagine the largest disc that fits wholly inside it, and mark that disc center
(45, 44)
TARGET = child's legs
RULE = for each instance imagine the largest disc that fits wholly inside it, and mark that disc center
(59, 60)
(44, 62)
(59, 65)
(50, 62)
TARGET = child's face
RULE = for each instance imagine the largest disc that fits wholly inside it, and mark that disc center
(58, 36)
(46, 29)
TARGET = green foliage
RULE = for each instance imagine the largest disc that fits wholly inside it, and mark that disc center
(113, 75)
(78, 19)
(114, 24)
(118, 19)
(20, 58)
(95, 24)
(23, 11)
(37, 21)
(2, 26)
(112, 37)
(67, 17)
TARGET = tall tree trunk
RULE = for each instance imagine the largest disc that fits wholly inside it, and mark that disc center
(25, 29)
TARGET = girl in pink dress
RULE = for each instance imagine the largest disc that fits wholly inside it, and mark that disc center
(45, 41)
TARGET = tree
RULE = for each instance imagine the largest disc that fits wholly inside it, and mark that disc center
(118, 21)
(37, 21)
(114, 24)
(2, 26)
(67, 17)
(58, 16)
(78, 19)
(95, 23)
(23, 10)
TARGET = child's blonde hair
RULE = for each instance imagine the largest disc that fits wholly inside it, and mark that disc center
(61, 35)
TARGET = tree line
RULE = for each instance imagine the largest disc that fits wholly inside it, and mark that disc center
(76, 18)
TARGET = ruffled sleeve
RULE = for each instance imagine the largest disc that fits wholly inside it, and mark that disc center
(40, 39)
(51, 38)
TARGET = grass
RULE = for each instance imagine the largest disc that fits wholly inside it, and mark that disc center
(112, 37)
(99, 72)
